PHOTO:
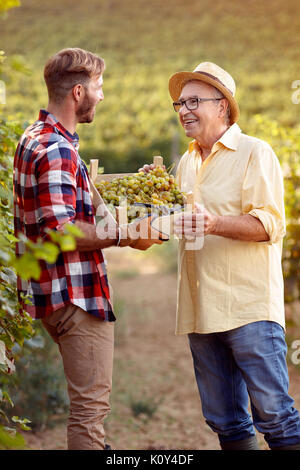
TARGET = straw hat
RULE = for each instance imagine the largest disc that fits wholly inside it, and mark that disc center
(213, 75)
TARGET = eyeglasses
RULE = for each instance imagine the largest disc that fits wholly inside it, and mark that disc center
(192, 103)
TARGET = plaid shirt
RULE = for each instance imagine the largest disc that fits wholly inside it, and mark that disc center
(51, 187)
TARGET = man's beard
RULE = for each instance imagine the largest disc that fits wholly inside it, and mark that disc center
(86, 111)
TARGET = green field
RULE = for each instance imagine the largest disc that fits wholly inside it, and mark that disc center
(145, 41)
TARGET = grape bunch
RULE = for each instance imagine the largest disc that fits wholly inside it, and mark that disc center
(156, 187)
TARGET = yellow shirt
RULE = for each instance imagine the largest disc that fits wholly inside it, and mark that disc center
(230, 283)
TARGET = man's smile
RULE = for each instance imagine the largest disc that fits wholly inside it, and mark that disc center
(187, 122)
(190, 121)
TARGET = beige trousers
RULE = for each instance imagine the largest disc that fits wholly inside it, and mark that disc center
(86, 347)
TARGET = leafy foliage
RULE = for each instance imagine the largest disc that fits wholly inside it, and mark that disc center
(14, 327)
(38, 386)
(6, 5)
(10, 439)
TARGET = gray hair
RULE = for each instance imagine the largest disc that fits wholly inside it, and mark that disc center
(218, 94)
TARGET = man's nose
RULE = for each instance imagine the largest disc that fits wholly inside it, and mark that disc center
(183, 110)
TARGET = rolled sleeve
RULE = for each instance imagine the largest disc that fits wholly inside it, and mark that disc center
(56, 187)
(263, 193)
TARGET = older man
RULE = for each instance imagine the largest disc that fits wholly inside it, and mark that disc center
(230, 299)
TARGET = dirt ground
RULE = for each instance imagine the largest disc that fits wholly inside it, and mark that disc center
(153, 369)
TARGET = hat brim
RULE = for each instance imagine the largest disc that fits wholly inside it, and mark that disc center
(179, 79)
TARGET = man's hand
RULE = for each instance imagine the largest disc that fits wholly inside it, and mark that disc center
(195, 224)
(243, 227)
(146, 168)
(140, 234)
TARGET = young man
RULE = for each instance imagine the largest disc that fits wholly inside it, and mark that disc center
(52, 188)
(230, 299)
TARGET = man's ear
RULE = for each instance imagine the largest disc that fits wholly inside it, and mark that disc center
(78, 92)
(223, 107)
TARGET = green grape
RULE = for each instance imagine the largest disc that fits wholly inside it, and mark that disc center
(157, 187)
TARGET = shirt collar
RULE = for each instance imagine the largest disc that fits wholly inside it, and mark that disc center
(51, 120)
(229, 139)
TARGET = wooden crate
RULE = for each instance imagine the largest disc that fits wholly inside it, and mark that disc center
(121, 211)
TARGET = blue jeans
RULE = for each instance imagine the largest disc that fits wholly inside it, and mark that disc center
(235, 365)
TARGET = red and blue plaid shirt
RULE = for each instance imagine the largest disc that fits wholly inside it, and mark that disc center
(51, 187)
